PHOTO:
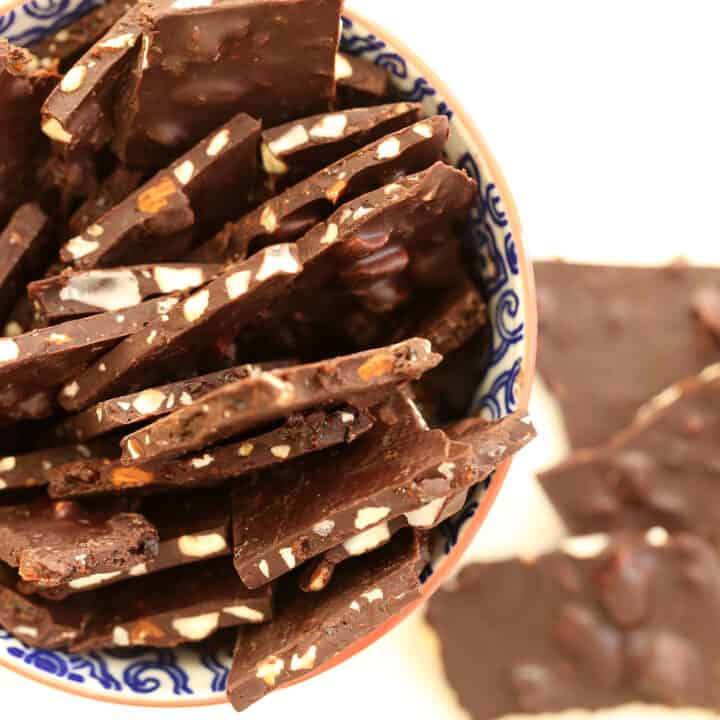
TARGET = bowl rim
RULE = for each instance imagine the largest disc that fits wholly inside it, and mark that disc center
(524, 385)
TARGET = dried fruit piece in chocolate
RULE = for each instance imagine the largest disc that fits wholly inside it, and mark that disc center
(360, 82)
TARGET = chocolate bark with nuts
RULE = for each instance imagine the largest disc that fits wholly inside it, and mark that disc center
(609, 621)
(110, 191)
(23, 148)
(24, 245)
(193, 527)
(232, 410)
(188, 193)
(60, 50)
(299, 436)
(661, 470)
(310, 628)
(360, 82)
(35, 621)
(53, 543)
(618, 307)
(270, 58)
(217, 311)
(297, 149)
(143, 612)
(75, 294)
(32, 469)
(398, 469)
(289, 215)
(128, 410)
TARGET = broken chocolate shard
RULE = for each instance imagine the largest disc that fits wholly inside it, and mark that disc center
(53, 543)
(310, 628)
(217, 311)
(602, 629)
(143, 612)
(237, 408)
(360, 82)
(74, 294)
(617, 307)
(660, 470)
(289, 215)
(300, 148)
(299, 436)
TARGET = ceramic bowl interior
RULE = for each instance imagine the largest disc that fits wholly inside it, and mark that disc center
(197, 675)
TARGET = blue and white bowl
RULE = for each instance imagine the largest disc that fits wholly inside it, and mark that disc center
(194, 675)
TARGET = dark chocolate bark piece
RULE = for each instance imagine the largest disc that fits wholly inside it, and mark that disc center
(23, 147)
(25, 244)
(289, 215)
(53, 543)
(237, 408)
(35, 621)
(396, 470)
(193, 527)
(74, 294)
(297, 149)
(190, 192)
(21, 318)
(143, 612)
(33, 469)
(269, 58)
(360, 82)
(219, 310)
(660, 470)
(110, 191)
(299, 436)
(607, 622)
(618, 308)
(62, 49)
(310, 628)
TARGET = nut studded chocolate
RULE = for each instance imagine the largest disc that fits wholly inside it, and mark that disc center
(605, 622)
(289, 215)
(299, 436)
(300, 148)
(310, 628)
(52, 544)
(144, 612)
(239, 407)
(661, 470)
(360, 82)
(24, 245)
(75, 294)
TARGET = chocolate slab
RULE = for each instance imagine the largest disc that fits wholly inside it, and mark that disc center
(143, 612)
(661, 470)
(193, 527)
(129, 410)
(289, 215)
(110, 191)
(310, 628)
(299, 436)
(609, 621)
(24, 245)
(74, 294)
(237, 408)
(35, 621)
(54, 543)
(297, 149)
(360, 82)
(32, 469)
(62, 49)
(618, 308)
(23, 147)
(270, 58)
(218, 311)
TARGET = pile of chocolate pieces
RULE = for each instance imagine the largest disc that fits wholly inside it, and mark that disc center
(229, 259)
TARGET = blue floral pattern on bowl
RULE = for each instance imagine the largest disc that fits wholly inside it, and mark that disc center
(197, 672)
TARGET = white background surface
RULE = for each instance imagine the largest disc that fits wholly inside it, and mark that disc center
(605, 118)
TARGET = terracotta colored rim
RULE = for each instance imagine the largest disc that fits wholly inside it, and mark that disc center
(525, 383)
